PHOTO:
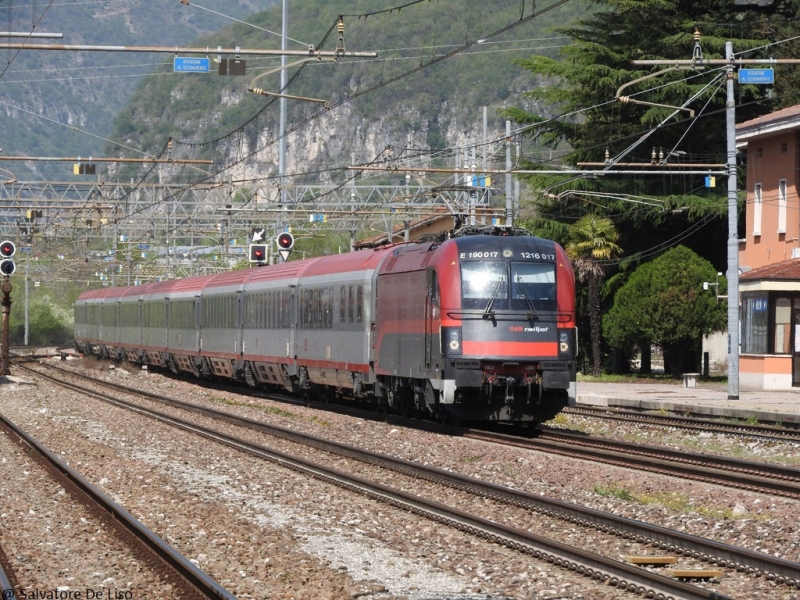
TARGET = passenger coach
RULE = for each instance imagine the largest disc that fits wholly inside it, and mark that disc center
(477, 327)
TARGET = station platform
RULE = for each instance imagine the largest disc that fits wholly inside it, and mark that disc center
(703, 400)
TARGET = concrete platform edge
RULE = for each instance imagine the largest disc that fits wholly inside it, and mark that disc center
(686, 408)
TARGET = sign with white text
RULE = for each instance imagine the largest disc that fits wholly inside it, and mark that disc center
(191, 65)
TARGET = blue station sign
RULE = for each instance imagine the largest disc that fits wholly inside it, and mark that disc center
(762, 76)
(191, 65)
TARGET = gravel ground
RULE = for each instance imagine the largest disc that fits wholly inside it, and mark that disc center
(265, 532)
(49, 525)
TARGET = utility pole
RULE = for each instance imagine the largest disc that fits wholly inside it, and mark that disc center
(5, 287)
(729, 62)
(733, 239)
(509, 188)
(282, 122)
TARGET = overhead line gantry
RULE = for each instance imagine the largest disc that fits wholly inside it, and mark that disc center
(312, 51)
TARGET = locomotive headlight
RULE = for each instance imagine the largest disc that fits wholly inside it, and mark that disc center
(566, 342)
(451, 341)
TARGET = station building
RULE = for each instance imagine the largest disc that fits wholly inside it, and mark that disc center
(769, 253)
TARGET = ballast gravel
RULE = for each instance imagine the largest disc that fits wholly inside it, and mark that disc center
(263, 531)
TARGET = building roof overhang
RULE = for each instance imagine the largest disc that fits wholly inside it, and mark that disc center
(781, 121)
(782, 276)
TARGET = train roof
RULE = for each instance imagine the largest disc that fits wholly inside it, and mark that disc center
(358, 260)
(100, 293)
(286, 270)
(401, 257)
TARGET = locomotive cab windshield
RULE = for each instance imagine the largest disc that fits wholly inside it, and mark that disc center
(485, 286)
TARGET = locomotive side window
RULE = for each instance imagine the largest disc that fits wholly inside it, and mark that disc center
(482, 283)
(434, 289)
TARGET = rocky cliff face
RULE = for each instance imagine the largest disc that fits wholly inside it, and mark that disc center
(344, 135)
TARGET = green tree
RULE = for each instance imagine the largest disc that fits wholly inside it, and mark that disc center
(49, 323)
(664, 303)
(577, 111)
(592, 242)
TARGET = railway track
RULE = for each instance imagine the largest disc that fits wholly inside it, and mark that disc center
(731, 472)
(187, 580)
(775, 432)
(722, 555)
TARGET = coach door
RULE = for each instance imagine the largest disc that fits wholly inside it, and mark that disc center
(196, 323)
(238, 308)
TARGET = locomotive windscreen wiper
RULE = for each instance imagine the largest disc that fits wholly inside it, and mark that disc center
(488, 313)
(532, 316)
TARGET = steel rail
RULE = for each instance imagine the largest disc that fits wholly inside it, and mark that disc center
(611, 572)
(8, 591)
(767, 476)
(197, 579)
(780, 570)
(716, 425)
(723, 554)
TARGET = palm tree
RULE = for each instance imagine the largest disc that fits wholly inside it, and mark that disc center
(593, 240)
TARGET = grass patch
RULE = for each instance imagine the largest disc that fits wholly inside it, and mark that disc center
(472, 459)
(560, 419)
(674, 501)
(615, 491)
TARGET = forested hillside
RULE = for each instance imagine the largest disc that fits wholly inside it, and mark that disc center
(393, 100)
(63, 103)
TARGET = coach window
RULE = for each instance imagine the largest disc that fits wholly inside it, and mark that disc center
(325, 303)
(314, 321)
(249, 318)
(350, 303)
(342, 303)
(360, 304)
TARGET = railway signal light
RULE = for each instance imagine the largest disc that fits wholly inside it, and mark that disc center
(258, 253)
(7, 250)
(285, 242)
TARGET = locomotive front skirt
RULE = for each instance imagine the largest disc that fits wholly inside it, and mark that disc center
(478, 327)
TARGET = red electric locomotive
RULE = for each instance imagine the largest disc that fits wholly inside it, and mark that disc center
(476, 327)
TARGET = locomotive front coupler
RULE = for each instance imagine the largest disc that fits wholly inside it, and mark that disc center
(510, 382)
